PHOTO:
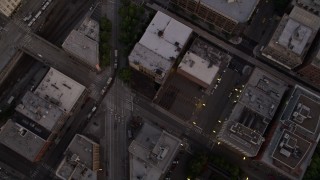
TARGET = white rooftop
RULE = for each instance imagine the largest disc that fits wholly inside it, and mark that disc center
(239, 10)
(198, 68)
(59, 89)
(81, 46)
(20, 140)
(295, 36)
(39, 110)
(165, 36)
(140, 55)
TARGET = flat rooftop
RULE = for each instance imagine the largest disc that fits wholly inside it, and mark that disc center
(21, 140)
(198, 68)
(70, 169)
(147, 147)
(141, 169)
(60, 90)
(209, 52)
(83, 47)
(251, 116)
(142, 56)
(165, 36)
(85, 149)
(294, 140)
(239, 11)
(295, 36)
(90, 28)
(291, 149)
(39, 110)
(263, 93)
(243, 131)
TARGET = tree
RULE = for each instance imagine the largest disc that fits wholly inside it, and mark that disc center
(104, 36)
(125, 74)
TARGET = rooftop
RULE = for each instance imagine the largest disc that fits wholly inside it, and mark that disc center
(140, 169)
(295, 36)
(81, 161)
(200, 69)
(239, 10)
(165, 36)
(209, 52)
(83, 47)
(21, 140)
(154, 148)
(310, 5)
(140, 55)
(59, 90)
(292, 38)
(90, 28)
(296, 136)
(263, 93)
(39, 110)
(250, 118)
(291, 149)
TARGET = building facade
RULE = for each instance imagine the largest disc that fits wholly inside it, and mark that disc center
(292, 39)
(225, 16)
(7, 7)
(311, 70)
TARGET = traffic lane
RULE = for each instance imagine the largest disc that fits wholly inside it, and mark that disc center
(57, 58)
(216, 103)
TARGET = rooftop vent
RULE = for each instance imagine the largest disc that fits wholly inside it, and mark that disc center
(160, 33)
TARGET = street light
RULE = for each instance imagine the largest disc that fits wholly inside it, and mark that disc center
(219, 121)
(244, 158)
(218, 142)
(194, 123)
(214, 131)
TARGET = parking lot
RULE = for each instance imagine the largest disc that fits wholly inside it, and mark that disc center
(219, 104)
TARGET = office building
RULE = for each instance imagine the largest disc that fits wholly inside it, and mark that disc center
(292, 141)
(225, 15)
(158, 48)
(292, 39)
(244, 130)
(152, 153)
(81, 160)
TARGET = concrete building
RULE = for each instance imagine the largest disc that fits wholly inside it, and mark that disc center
(7, 7)
(293, 140)
(292, 39)
(151, 153)
(311, 69)
(225, 15)
(81, 160)
(310, 5)
(258, 102)
(23, 141)
(42, 112)
(83, 43)
(60, 90)
(159, 46)
(197, 69)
